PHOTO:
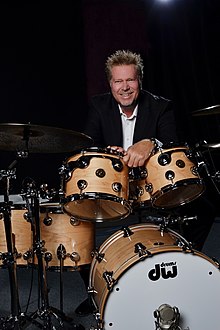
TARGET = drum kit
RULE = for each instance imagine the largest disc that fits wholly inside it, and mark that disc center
(54, 231)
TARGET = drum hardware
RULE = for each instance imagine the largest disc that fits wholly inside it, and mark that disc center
(169, 220)
(167, 318)
(45, 312)
(202, 164)
(17, 319)
(216, 176)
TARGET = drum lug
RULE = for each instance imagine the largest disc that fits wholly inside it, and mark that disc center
(3, 257)
(170, 175)
(117, 165)
(117, 186)
(65, 172)
(61, 252)
(47, 221)
(91, 290)
(74, 221)
(149, 187)
(127, 232)
(186, 246)
(100, 324)
(194, 170)
(141, 250)
(216, 262)
(98, 256)
(164, 159)
(75, 256)
(82, 184)
(100, 173)
(48, 257)
(27, 255)
(110, 281)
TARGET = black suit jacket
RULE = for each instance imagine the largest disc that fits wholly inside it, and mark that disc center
(155, 119)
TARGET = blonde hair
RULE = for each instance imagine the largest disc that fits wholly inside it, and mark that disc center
(124, 57)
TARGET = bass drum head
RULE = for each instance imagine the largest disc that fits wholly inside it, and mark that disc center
(188, 281)
(142, 267)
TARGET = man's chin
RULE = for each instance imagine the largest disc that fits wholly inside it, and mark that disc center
(127, 105)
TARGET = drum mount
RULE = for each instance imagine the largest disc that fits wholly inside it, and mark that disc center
(46, 312)
(167, 318)
(17, 320)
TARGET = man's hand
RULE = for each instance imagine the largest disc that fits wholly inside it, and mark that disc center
(138, 153)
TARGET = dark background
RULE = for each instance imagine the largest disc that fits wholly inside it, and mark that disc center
(53, 56)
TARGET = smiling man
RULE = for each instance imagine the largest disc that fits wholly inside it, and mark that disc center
(128, 118)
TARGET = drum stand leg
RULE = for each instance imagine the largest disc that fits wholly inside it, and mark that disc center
(12, 322)
(46, 312)
(17, 319)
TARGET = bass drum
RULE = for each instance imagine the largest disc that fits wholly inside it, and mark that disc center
(141, 273)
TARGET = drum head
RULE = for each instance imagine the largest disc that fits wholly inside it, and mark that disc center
(188, 281)
(98, 209)
(178, 194)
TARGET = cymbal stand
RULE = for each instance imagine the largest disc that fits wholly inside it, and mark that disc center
(45, 312)
(17, 319)
(9, 258)
(61, 251)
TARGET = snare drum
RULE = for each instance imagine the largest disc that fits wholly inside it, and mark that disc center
(22, 236)
(140, 271)
(67, 242)
(97, 186)
(172, 178)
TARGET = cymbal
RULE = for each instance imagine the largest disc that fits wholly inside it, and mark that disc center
(213, 110)
(40, 139)
(212, 145)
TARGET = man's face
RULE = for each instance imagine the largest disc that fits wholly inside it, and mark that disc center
(125, 85)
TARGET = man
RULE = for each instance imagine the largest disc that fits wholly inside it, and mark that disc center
(128, 117)
(133, 121)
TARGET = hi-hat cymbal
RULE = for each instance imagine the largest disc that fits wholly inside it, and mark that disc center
(213, 110)
(40, 139)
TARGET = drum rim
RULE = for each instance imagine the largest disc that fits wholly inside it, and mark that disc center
(180, 183)
(94, 149)
(96, 196)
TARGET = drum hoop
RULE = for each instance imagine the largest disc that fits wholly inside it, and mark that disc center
(178, 184)
(94, 150)
(96, 195)
(181, 183)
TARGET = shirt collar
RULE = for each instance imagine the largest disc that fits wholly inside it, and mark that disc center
(134, 114)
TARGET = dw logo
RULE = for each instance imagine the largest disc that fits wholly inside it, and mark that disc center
(164, 270)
